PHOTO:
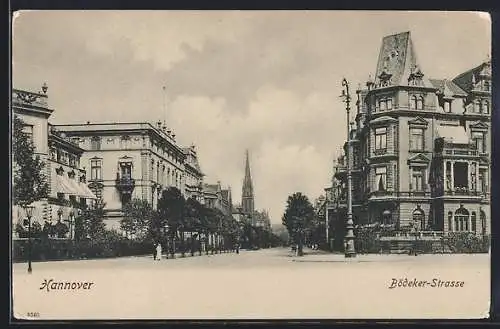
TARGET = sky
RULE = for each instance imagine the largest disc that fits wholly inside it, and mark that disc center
(234, 80)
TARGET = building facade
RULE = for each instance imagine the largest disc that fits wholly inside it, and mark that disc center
(68, 190)
(126, 161)
(420, 147)
(217, 198)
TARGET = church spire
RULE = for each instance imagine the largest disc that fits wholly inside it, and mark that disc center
(247, 200)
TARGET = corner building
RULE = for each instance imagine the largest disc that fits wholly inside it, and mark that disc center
(420, 147)
(126, 161)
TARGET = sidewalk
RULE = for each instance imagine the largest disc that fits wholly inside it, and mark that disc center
(316, 256)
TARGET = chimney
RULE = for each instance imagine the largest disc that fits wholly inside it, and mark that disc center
(158, 124)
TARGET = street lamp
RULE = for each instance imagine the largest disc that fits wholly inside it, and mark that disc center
(350, 251)
(28, 209)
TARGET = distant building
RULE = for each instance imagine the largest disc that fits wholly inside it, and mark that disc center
(217, 198)
(420, 147)
(247, 196)
(68, 190)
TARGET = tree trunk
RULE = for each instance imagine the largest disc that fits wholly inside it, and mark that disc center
(183, 245)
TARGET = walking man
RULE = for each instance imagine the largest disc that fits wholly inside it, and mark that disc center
(158, 251)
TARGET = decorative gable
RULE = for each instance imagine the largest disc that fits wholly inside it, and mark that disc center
(479, 125)
(418, 121)
(419, 159)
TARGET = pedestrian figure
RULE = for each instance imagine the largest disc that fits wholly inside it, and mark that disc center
(154, 251)
(158, 252)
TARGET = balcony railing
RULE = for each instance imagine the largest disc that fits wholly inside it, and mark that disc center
(125, 184)
(399, 194)
(463, 191)
(460, 152)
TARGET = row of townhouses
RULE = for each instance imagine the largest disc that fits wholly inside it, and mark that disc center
(112, 163)
(420, 148)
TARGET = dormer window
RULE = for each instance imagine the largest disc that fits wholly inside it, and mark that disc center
(477, 106)
(486, 107)
(447, 106)
(416, 102)
(486, 85)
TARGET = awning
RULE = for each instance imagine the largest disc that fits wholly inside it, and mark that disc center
(453, 134)
(88, 193)
(63, 185)
(76, 186)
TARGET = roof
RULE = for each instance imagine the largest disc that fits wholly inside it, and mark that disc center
(464, 80)
(453, 134)
(447, 87)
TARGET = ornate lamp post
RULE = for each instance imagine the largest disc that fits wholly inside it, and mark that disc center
(350, 251)
(29, 213)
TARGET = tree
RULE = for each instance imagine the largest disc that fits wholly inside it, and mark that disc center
(89, 224)
(192, 219)
(29, 183)
(297, 218)
(137, 217)
(171, 208)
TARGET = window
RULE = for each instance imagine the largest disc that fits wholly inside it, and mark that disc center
(382, 105)
(64, 157)
(418, 219)
(477, 106)
(417, 179)
(416, 139)
(28, 131)
(486, 107)
(381, 138)
(53, 154)
(125, 142)
(413, 102)
(447, 106)
(95, 143)
(96, 169)
(389, 103)
(126, 170)
(486, 86)
(420, 103)
(380, 178)
(461, 219)
(482, 216)
(482, 180)
(72, 160)
(479, 141)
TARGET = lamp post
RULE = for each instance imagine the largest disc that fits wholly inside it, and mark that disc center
(350, 250)
(29, 213)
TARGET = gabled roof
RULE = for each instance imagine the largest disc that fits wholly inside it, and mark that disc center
(464, 80)
(447, 87)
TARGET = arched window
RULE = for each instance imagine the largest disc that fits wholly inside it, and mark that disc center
(473, 222)
(382, 105)
(450, 221)
(477, 106)
(486, 107)
(420, 103)
(418, 219)
(461, 219)
(413, 102)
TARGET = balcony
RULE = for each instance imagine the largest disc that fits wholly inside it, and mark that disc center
(125, 184)
(398, 194)
(464, 191)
